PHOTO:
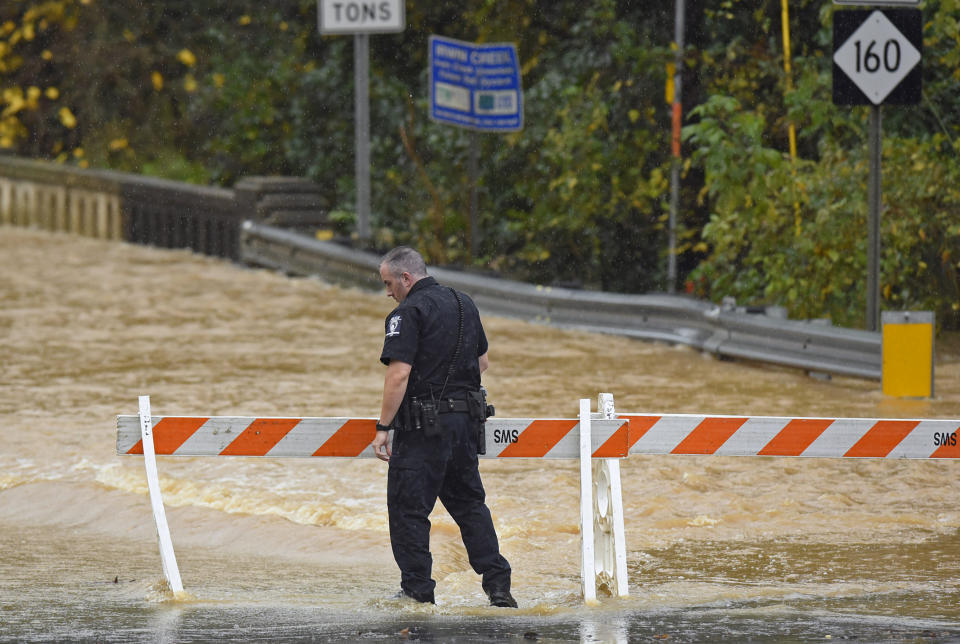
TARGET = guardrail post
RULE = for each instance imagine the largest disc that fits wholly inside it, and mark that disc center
(167, 557)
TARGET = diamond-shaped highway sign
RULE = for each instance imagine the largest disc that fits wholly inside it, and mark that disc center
(878, 57)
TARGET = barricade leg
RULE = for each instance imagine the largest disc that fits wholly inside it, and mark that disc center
(603, 547)
(587, 561)
(608, 520)
(167, 557)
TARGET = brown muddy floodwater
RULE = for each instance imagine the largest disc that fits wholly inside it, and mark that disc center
(719, 548)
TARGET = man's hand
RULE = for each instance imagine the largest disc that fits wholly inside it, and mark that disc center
(381, 445)
(394, 387)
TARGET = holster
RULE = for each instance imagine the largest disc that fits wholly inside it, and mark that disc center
(479, 412)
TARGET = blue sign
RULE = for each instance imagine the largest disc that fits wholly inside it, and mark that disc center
(475, 86)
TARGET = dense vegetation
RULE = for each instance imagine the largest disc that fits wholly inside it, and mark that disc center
(212, 90)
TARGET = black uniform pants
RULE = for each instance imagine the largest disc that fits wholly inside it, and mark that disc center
(423, 469)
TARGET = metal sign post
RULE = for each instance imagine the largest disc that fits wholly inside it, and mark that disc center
(876, 61)
(361, 107)
(676, 123)
(361, 19)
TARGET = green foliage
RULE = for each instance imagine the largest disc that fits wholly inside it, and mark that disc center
(212, 90)
(794, 234)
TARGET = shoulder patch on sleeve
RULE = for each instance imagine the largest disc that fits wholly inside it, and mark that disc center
(393, 326)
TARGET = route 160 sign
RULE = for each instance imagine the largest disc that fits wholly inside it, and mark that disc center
(877, 57)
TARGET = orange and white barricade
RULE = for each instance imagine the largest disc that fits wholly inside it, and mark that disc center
(597, 440)
(353, 437)
(776, 436)
(604, 438)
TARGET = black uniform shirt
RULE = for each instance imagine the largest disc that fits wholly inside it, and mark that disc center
(422, 332)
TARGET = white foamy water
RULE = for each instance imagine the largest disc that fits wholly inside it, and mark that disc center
(284, 549)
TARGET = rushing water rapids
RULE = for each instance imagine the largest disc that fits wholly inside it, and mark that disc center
(769, 549)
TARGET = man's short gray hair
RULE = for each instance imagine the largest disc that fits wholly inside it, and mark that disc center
(404, 259)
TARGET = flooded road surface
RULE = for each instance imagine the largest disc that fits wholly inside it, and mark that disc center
(719, 548)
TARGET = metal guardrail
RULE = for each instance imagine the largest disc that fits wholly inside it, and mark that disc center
(240, 224)
(728, 331)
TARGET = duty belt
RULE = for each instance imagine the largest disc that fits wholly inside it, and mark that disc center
(445, 405)
(451, 405)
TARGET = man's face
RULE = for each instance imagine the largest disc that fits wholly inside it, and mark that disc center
(397, 287)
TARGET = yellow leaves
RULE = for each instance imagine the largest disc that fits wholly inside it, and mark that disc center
(190, 83)
(129, 36)
(79, 154)
(529, 64)
(10, 131)
(13, 97)
(17, 101)
(46, 54)
(67, 118)
(186, 57)
(244, 20)
(219, 80)
(118, 144)
(52, 93)
(670, 90)
(633, 115)
(922, 235)
(886, 291)
(157, 79)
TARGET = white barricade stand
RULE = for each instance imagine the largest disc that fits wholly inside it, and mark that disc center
(587, 544)
(607, 510)
(167, 557)
(603, 439)
(603, 563)
(598, 441)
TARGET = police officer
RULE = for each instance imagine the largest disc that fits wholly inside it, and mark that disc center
(435, 350)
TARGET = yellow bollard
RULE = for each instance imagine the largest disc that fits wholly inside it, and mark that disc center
(907, 353)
